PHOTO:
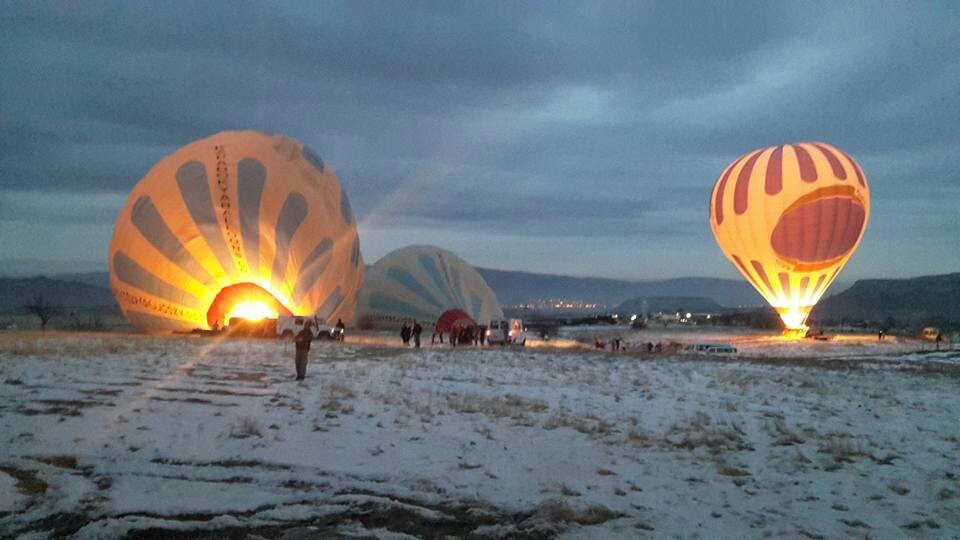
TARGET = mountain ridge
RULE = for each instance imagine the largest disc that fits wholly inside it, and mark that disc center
(911, 300)
(517, 287)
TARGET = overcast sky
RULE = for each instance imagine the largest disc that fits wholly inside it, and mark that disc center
(574, 138)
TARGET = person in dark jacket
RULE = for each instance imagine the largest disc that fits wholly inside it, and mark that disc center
(417, 330)
(405, 334)
(343, 329)
(302, 341)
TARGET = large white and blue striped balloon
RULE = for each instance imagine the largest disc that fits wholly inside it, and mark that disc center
(421, 282)
(245, 212)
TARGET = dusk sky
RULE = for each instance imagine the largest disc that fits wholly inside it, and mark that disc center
(572, 138)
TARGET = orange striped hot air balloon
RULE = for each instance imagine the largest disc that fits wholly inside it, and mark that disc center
(240, 224)
(789, 217)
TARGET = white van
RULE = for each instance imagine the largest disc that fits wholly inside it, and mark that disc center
(708, 348)
(721, 349)
(507, 332)
(930, 333)
(289, 326)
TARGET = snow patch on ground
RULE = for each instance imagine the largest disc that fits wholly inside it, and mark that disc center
(106, 435)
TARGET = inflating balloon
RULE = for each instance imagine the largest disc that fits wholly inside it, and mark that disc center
(240, 224)
(788, 218)
(421, 282)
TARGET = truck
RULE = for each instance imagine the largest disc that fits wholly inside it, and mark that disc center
(507, 332)
(289, 326)
(709, 348)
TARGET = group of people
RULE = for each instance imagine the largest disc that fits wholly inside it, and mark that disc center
(464, 335)
(408, 331)
(616, 345)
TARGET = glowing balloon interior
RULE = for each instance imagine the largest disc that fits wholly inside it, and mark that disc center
(242, 224)
(788, 218)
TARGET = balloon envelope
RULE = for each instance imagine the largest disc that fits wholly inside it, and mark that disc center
(239, 223)
(788, 218)
(421, 282)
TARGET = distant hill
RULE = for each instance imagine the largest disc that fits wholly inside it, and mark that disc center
(511, 287)
(514, 287)
(18, 291)
(911, 301)
(97, 279)
(521, 287)
(669, 304)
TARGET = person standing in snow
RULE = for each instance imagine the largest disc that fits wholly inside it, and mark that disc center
(417, 330)
(343, 329)
(405, 334)
(302, 341)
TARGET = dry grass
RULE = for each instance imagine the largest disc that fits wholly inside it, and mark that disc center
(792, 462)
(335, 407)
(726, 469)
(899, 489)
(946, 494)
(588, 425)
(928, 523)
(508, 406)
(775, 424)
(638, 438)
(554, 511)
(79, 344)
(842, 447)
(736, 382)
(246, 427)
(338, 391)
(62, 462)
(27, 481)
(701, 431)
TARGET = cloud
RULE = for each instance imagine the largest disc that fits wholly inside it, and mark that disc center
(603, 122)
(62, 208)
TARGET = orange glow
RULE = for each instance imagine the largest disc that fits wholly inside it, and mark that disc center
(252, 310)
(794, 317)
(795, 333)
(245, 300)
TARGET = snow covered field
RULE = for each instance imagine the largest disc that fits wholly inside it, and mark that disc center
(106, 435)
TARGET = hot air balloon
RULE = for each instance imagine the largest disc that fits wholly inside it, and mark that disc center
(788, 218)
(242, 224)
(420, 283)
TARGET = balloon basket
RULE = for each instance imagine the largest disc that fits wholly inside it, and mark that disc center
(795, 333)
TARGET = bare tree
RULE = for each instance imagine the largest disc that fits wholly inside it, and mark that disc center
(39, 306)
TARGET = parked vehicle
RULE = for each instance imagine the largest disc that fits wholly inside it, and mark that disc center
(721, 349)
(507, 332)
(708, 348)
(289, 326)
(930, 333)
(241, 327)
